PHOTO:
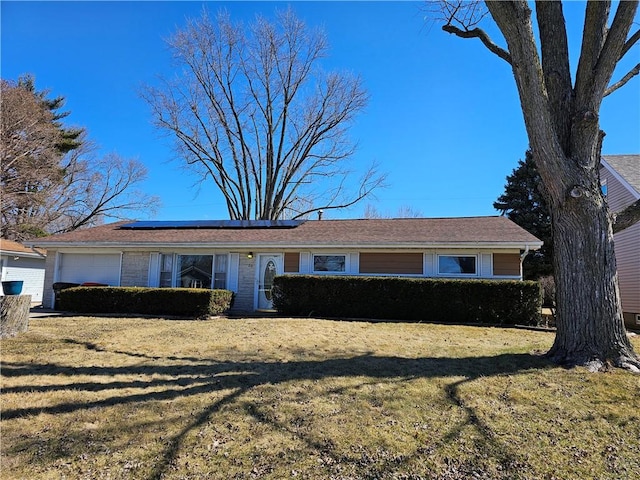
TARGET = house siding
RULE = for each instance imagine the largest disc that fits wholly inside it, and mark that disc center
(391, 263)
(28, 270)
(618, 196)
(292, 262)
(506, 264)
(135, 269)
(627, 248)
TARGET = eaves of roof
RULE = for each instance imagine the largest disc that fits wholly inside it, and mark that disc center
(11, 248)
(533, 245)
(626, 169)
(476, 232)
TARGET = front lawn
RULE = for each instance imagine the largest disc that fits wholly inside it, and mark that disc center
(288, 398)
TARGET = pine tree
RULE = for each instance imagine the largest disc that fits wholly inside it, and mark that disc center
(70, 138)
(51, 179)
(523, 203)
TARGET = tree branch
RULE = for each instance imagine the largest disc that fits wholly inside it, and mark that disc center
(620, 83)
(627, 217)
(613, 45)
(484, 38)
(630, 43)
(555, 65)
(593, 38)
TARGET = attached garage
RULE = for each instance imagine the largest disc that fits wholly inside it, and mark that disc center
(89, 267)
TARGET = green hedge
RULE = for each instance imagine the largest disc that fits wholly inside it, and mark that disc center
(183, 302)
(452, 301)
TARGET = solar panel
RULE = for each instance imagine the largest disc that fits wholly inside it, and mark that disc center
(228, 224)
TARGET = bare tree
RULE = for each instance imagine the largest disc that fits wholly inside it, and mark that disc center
(253, 112)
(95, 188)
(53, 182)
(404, 211)
(561, 116)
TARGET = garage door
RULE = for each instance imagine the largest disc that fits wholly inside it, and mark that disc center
(83, 267)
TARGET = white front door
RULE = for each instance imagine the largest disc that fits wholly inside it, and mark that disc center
(268, 267)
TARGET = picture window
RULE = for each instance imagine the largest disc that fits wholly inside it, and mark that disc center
(457, 265)
(330, 263)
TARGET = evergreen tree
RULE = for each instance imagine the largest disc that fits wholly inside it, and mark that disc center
(69, 138)
(523, 203)
(50, 177)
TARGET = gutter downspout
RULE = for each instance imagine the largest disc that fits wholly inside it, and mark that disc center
(522, 257)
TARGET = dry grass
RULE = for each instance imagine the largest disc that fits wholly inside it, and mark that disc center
(282, 398)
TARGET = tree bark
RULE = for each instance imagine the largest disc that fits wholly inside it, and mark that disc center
(590, 327)
(14, 314)
(566, 141)
(627, 217)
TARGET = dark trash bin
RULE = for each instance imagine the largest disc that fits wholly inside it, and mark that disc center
(57, 288)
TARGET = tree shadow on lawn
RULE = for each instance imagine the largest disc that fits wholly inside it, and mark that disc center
(193, 376)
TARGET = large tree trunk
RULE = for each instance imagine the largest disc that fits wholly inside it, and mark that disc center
(566, 141)
(590, 327)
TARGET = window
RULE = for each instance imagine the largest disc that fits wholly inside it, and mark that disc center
(166, 270)
(330, 263)
(457, 265)
(220, 272)
(195, 271)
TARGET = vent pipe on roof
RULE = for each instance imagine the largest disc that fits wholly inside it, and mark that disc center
(320, 212)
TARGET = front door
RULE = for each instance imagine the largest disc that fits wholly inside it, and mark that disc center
(269, 266)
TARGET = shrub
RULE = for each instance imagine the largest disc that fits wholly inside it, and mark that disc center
(548, 286)
(184, 302)
(388, 298)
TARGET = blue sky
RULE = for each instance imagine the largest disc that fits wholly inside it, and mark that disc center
(444, 120)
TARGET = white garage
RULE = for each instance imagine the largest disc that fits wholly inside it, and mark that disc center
(25, 264)
(90, 267)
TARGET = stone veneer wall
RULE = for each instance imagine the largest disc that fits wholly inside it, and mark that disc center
(135, 269)
(244, 300)
(47, 291)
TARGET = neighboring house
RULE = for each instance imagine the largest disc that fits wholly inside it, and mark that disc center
(620, 177)
(18, 262)
(244, 256)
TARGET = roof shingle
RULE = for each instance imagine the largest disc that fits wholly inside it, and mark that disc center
(628, 167)
(410, 232)
(11, 247)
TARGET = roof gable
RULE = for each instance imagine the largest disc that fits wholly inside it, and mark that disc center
(627, 169)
